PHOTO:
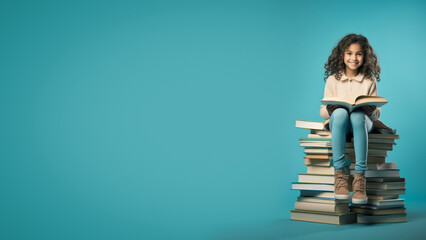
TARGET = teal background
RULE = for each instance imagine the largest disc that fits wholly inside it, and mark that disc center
(175, 119)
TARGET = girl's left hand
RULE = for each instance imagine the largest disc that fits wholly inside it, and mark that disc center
(368, 109)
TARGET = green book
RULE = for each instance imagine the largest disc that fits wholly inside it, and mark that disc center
(364, 218)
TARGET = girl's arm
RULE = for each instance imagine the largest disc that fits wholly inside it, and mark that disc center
(324, 112)
(328, 92)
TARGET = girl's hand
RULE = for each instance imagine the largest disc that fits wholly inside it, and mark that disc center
(368, 109)
(331, 108)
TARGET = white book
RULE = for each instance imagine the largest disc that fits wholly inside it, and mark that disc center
(322, 207)
(321, 217)
(320, 170)
(316, 178)
(309, 124)
(312, 186)
(315, 144)
(318, 150)
(322, 200)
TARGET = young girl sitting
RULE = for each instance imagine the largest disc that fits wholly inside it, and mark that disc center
(352, 70)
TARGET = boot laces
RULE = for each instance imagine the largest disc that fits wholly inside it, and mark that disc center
(341, 181)
(359, 183)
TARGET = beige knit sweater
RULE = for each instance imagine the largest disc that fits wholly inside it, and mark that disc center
(349, 88)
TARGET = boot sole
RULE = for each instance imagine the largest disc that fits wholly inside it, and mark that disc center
(359, 201)
(342, 196)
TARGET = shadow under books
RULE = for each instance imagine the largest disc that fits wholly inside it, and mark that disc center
(280, 228)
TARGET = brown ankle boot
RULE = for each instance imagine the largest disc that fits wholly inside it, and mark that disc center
(359, 187)
(341, 190)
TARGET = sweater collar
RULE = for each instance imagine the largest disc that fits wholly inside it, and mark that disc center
(358, 77)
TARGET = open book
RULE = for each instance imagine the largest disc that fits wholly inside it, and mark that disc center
(359, 101)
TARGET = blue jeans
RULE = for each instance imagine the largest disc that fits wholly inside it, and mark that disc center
(341, 123)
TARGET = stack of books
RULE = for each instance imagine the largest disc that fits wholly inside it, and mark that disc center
(384, 184)
(316, 202)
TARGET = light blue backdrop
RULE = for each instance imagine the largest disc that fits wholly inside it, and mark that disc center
(175, 120)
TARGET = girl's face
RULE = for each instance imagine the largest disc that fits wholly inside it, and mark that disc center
(353, 57)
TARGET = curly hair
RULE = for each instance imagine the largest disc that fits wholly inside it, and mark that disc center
(335, 62)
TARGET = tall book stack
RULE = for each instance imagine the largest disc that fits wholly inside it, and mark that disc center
(316, 202)
(384, 184)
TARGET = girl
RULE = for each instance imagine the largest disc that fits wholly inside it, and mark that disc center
(352, 70)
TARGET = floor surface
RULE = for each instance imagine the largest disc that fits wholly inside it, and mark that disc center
(414, 228)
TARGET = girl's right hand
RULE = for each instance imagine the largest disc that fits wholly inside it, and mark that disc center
(331, 108)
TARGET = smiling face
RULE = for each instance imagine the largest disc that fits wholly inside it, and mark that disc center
(353, 58)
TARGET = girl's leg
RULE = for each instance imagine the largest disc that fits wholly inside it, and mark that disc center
(339, 126)
(361, 125)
